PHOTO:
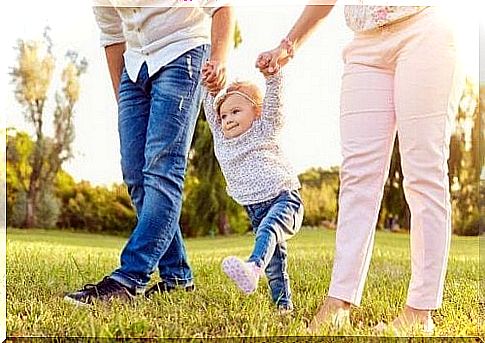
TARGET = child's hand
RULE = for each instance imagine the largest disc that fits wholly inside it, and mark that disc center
(214, 76)
(262, 63)
(207, 71)
(263, 60)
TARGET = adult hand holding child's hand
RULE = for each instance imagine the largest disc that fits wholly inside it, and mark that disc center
(214, 76)
(270, 62)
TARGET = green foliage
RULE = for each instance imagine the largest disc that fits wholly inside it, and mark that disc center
(66, 203)
(48, 210)
(19, 159)
(478, 138)
(16, 208)
(95, 209)
(473, 225)
(237, 36)
(19, 148)
(319, 193)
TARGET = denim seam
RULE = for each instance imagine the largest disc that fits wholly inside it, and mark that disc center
(174, 282)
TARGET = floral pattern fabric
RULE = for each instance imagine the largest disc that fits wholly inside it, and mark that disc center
(361, 18)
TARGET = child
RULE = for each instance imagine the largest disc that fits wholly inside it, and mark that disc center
(260, 178)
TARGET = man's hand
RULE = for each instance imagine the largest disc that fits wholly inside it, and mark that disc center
(222, 32)
(214, 76)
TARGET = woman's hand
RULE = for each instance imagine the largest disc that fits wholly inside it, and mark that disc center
(270, 62)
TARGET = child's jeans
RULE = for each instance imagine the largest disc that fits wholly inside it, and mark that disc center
(275, 221)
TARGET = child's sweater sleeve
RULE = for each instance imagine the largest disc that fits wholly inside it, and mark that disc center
(210, 114)
(272, 102)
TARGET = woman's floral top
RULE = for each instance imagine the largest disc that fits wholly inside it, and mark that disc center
(363, 18)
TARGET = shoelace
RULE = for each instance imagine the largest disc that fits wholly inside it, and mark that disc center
(159, 287)
(105, 286)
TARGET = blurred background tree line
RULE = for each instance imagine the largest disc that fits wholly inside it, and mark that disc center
(41, 194)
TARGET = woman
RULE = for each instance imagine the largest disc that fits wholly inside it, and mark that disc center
(400, 76)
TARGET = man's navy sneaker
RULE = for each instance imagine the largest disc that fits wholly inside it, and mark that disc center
(105, 291)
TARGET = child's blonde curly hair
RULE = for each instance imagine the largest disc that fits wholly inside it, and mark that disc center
(246, 89)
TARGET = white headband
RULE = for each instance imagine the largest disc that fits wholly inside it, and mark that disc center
(223, 95)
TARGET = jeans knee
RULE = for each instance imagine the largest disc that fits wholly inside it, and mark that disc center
(166, 176)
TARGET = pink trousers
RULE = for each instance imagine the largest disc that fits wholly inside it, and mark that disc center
(402, 78)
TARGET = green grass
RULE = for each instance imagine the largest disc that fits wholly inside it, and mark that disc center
(42, 265)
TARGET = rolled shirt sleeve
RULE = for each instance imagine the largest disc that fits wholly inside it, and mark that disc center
(211, 6)
(109, 22)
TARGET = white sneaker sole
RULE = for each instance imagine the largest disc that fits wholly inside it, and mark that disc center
(240, 274)
(75, 302)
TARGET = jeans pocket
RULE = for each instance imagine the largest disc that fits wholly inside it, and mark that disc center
(194, 59)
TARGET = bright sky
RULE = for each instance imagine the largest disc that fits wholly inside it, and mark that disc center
(312, 78)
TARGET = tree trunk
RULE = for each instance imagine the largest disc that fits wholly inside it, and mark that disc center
(30, 215)
(33, 187)
(223, 225)
(407, 218)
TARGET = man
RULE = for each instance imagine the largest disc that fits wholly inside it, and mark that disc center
(155, 56)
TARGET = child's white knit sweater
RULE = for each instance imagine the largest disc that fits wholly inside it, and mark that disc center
(253, 163)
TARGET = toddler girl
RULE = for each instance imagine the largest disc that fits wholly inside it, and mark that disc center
(246, 143)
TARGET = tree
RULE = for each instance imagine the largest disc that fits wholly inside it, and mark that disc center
(33, 75)
(466, 162)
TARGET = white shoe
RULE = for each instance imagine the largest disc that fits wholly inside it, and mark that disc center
(244, 274)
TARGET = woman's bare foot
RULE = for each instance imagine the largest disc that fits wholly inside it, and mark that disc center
(411, 317)
(409, 320)
(332, 311)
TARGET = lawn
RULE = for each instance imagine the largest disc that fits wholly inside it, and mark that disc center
(42, 265)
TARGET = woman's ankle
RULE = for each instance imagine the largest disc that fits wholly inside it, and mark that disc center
(417, 311)
(337, 303)
(411, 314)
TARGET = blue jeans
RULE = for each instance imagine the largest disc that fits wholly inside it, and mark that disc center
(157, 117)
(274, 222)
